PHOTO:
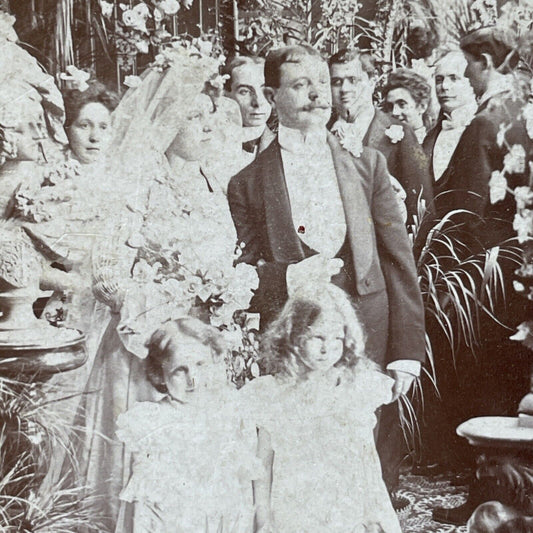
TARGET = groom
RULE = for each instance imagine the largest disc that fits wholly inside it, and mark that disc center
(306, 206)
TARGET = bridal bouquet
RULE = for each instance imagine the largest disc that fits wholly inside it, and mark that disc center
(184, 264)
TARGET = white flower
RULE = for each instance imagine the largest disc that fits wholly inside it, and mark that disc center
(497, 186)
(142, 46)
(514, 162)
(132, 81)
(523, 331)
(136, 17)
(395, 133)
(187, 3)
(204, 47)
(349, 138)
(523, 197)
(527, 113)
(169, 7)
(523, 225)
(75, 78)
(107, 8)
(500, 137)
(518, 287)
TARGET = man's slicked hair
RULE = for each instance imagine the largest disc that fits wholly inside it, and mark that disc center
(288, 54)
(238, 61)
(346, 55)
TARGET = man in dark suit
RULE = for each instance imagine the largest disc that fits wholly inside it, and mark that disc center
(458, 107)
(305, 203)
(496, 377)
(245, 84)
(352, 80)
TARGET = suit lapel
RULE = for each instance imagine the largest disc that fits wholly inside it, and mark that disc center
(265, 140)
(375, 135)
(429, 145)
(356, 208)
(285, 244)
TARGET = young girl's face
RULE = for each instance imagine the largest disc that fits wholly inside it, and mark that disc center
(325, 344)
(190, 370)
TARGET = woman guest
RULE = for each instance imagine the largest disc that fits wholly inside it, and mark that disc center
(67, 213)
(407, 95)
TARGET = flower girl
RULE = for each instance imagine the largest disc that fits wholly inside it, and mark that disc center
(315, 419)
(194, 459)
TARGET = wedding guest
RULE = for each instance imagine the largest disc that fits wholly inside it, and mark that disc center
(278, 204)
(88, 121)
(245, 84)
(194, 459)
(492, 377)
(457, 109)
(407, 95)
(315, 419)
(355, 117)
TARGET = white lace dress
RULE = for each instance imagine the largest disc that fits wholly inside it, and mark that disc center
(193, 467)
(326, 472)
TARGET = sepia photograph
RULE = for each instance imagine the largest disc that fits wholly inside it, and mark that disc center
(266, 266)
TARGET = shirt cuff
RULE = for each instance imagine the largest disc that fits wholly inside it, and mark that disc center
(406, 365)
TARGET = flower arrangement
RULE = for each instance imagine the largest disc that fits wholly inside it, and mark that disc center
(43, 202)
(515, 163)
(145, 27)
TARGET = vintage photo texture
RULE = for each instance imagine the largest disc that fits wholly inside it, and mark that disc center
(265, 266)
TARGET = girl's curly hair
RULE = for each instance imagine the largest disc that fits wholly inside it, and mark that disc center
(282, 342)
(75, 100)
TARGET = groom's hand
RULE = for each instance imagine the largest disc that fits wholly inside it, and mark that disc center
(317, 269)
(402, 383)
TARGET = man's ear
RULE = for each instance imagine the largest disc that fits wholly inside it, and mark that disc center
(487, 61)
(270, 94)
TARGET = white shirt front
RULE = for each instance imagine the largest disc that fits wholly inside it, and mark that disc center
(316, 205)
(448, 138)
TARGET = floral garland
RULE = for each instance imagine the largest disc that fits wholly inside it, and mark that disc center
(515, 163)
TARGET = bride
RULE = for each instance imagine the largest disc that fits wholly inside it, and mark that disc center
(177, 259)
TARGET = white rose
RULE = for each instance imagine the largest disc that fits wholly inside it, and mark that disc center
(514, 161)
(170, 7)
(497, 187)
(395, 133)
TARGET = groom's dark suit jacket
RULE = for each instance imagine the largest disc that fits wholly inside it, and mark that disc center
(378, 258)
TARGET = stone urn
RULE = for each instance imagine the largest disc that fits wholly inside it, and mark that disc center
(29, 346)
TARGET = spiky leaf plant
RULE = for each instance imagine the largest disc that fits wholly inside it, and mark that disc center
(31, 430)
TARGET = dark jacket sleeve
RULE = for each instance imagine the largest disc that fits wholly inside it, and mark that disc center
(406, 310)
(271, 294)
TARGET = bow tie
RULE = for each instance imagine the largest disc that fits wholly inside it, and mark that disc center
(250, 146)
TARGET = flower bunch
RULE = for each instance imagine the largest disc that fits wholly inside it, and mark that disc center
(41, 203)
(515, 163)
(188, 262)
(141, 25)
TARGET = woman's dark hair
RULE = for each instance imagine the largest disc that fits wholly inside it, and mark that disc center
(187, 327)
(75, 100)
(410, 80)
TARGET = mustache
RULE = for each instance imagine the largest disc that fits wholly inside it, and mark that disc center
(310, 107)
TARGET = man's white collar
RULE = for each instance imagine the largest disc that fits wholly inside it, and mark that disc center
(296, 141)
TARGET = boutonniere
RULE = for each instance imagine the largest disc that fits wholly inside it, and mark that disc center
(348, 137)
(353, 143)
(394, 133)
